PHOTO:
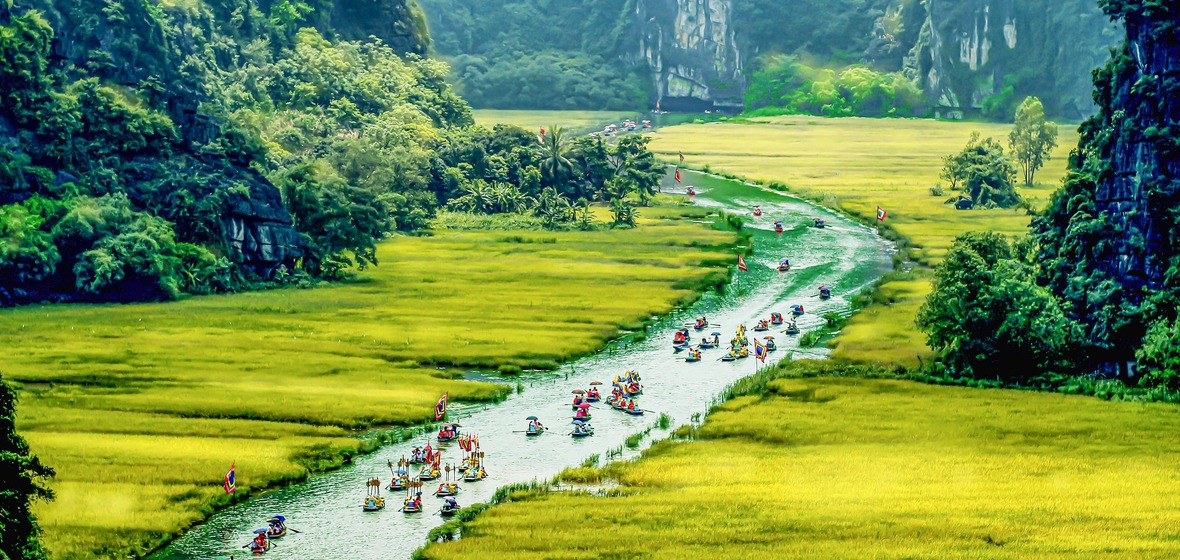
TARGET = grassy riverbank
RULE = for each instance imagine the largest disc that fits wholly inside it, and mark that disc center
(576, 121)
(855, 165)
(141, 408)
(870, 468)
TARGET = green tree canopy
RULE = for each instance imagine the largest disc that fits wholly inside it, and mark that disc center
(23, 476)
(1032, 138)
(983, 170)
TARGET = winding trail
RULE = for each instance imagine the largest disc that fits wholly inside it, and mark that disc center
(326, 508)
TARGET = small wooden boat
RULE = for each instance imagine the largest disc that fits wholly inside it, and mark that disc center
(818, 223)
(791, 329)
(412, 505)
(797, 309)
(825, 292)
(429, 474)
(776, 318)
(373, 501)
(276, 527)
(757, 211)
(255, 549)
(692, 358)
(582, 431)
(729, 357)
(633, 411)
(761, 327)
(534, 432)
(475, 474)
(448, 510)
(447, 489)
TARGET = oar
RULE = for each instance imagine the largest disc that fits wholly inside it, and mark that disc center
(294, 530)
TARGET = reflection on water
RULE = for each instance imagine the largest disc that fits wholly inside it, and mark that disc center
(326, 509)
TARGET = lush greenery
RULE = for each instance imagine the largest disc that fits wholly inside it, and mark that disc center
(856, 165)
(1102, 258)
(852, 467)
(587, 54)
(1032, 138)
(142, 407)
(783, 85)
(23, 476)
(984, 172)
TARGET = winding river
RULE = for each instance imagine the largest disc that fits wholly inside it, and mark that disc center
(326, 508)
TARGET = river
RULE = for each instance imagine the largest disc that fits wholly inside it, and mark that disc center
(326, 509)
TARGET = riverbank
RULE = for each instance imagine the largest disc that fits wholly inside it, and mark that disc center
(853, 467)
(142, 408)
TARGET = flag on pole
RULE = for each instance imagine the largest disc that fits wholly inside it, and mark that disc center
(440, 409)
(742, 264)
(759, 351)
(230, 480)
(542, 131)
(880, 214)
(677, 174)
(681, 157)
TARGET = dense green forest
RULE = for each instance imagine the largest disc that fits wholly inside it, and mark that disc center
(982, 56)
(1094, 288)
(151, 150)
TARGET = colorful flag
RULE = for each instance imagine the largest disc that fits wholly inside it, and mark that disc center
(230, 482)
(677, 174)
(542, 131)
(880, 214)
(440, 409)
(681, 157)
(742, 264)
(759, 351)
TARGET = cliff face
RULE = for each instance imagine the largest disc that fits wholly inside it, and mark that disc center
(966, 51)
(398, 23)
(1110, 241)
(691, 53)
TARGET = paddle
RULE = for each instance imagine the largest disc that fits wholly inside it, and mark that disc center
(294, 530)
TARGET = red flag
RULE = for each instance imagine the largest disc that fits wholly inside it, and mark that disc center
(542, 131)
(440, 409)
(230, 480)
(742, 264)
(880, 214)
(677, 174)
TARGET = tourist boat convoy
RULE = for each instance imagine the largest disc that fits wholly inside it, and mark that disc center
(624, 390)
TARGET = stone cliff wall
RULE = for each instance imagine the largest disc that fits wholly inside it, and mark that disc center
(691, 52)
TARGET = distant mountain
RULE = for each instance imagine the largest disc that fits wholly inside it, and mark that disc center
(698, 54)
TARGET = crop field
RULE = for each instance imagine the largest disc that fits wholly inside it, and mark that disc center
(856, 165)
(142, 408)
(576, 121)
(862, 468)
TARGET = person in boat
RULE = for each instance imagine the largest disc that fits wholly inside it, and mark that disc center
(593, 393)
(450, 503)
(417, 501)
(702, 322)
(275, 526)
(680, 337)
(581, 413)
(764, 324)
(757, 210)
(695, 353)
(577, 400)
(631, 405)
(259, 542)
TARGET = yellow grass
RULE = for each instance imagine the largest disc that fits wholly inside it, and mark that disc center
(855, 165)
(577, 121)
(856, 468)
(141, 408)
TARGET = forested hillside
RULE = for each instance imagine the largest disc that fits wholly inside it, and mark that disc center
(982, 56)
(149, 149)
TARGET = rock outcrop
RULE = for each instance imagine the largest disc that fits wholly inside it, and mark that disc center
(691, 52)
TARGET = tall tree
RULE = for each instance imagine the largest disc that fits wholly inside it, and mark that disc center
(22, 474)
(984, 172)
(1032, 138)
(555, 151)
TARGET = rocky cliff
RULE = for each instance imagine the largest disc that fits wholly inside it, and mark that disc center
(691, 52)
(1110, 241)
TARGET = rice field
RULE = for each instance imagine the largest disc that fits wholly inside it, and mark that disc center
(577, 121)
(856, 165)
(861, 468)
(142, 408)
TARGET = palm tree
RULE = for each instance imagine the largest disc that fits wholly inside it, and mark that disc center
(555, 163)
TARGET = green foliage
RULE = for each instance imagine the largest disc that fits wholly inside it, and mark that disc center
(988, 318)
(23, 476)
(1159, 356)
(1032, 138)
(984, 172)
(783, 85)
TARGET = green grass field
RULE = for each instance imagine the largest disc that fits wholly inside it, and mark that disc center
(141, 408)
(576, 121)
(855, 165)
(860, 468)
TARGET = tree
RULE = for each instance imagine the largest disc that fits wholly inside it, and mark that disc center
(984, 171)
(1032, 138)
(22, 474)
(988, 317)
(555, 162)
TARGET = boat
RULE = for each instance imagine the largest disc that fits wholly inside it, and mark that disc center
(776, 318)
(706, 343)
(797, 309)
(534, 432)
(449, 509)
(770, 345)
(792, 329)
(762, 326)
(681, 338)
(260, 544)
(819, 223)
(398, 484)
(276, 527)
(447, 489)
(778, 226)
(693, 356)
(582, 429)
(633, 411)
(374, 501)
(784, 267)
(583, 417)
(700, 324)
(429, 473)
(475, 473)
(757, 211)
(825, 292)
(447, 432)
(729, 357)
(412, 505)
